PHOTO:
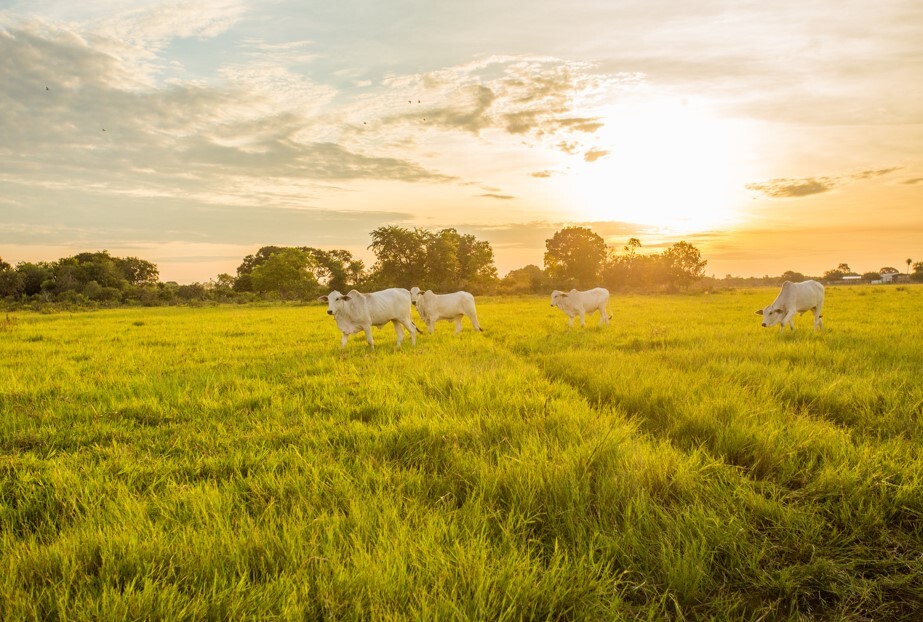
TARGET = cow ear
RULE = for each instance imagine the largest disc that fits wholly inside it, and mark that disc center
(323, 299)
(760, 312)
(563, 295)
(345, 298)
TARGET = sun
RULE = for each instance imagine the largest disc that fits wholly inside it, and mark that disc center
(669, 165)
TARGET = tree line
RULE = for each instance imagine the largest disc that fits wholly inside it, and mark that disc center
(442, 260)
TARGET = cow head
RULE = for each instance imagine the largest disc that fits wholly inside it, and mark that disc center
(771, 315)
(335, 301)
(415, 293)
(557, 297)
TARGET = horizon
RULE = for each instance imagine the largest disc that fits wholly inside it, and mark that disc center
(192, 134)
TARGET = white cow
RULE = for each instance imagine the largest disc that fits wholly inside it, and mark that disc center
(795, 298)
(574, 303)
(434, 307)
(356, 312)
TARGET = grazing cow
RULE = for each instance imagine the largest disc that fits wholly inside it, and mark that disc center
(795, 298)
(356, 312)
(434, 307)
(574, 303)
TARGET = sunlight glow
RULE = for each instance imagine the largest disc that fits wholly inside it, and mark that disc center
(669, 165)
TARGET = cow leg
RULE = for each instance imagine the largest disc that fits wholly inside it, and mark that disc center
(431, 325)
(343, 341)
(789, 319)
(583, 318)
(458, 326)
(368, 336)
(412, 329)
(570, 322)
(603, 318)
(400, 332)
(818, 319)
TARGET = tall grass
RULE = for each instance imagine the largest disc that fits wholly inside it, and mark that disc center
(232, 463)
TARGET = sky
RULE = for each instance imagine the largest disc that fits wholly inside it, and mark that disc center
(772, 136)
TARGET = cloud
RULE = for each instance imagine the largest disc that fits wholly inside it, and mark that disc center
(794, 188)
(541, 174)
(913, 181)
(518, 95)
(70, 114)
(594, 154)
(491, 195)
(787, 188)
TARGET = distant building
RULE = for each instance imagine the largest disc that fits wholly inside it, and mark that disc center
(892, 278)
(895, 278)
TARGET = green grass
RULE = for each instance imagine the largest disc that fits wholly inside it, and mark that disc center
(683, 463)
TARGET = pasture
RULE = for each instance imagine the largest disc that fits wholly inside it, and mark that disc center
(229, 463)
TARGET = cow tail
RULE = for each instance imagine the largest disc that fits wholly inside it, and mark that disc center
(416, 328)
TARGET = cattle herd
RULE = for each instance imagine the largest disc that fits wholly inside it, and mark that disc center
(355, 311)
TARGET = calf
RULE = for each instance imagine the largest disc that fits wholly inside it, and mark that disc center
(574, 303)
(356, 312)
(795, 298)
(434, 307)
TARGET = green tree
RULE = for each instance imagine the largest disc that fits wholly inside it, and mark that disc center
(37, 278)
(476, 269)
(917, 275)
(137, 271)
(684, 264)
(287, 273)
(400, 256)
(443, 269)
(529, 279)
(11, 282)
(574, 257)
(336, 269)
(837, 273)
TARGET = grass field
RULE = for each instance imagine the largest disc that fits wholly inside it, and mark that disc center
(230, 463)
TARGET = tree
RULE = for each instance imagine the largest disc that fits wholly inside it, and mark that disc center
(909, 261)
(529, 279)
(244, 281)
(336, 269)
(889, 270)
(400, 255)
(917, 275)
(868, 277)
(11, 282)
(36, 278)
(476, 269)
(684, 264)
(288, 273)
(441, 264)
(838, 273)
(442, 260)
(137, 271)
(791, 275)
(574, 257)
